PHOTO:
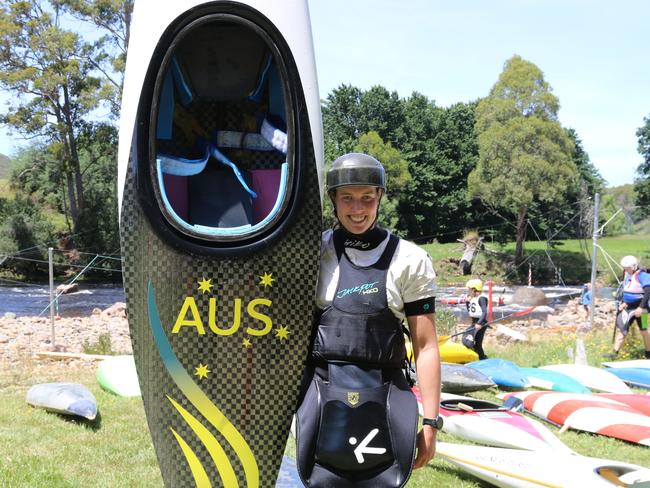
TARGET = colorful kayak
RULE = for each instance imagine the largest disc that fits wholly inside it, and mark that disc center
(118, 376)
(636, 377)
(488, 423)
(450, 352)
(633, 363)
(545, 379)
(64, 398)
(502, 372)
(591, 377)
(458, 378)
(589, 413)
(516, 468)
(634, 400)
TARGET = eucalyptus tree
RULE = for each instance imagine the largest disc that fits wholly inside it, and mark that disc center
(525, 156)
(46, 69)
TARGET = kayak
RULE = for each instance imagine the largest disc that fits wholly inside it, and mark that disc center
(633, 363)
(591, 377)
(636, 377)
(589, 413)
(64, 398)
(636, 401)
(458, 378)
(488, 423)
(502, 372)
(545, 379)
(117, 375)
(450, 352)
(517, 468)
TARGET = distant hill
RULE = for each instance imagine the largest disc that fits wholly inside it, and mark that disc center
(5, 166)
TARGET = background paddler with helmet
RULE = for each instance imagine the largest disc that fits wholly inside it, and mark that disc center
(634, 301)
(477, 307)
(357, 421)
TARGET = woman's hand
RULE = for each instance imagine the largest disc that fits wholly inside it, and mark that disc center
(426, 444)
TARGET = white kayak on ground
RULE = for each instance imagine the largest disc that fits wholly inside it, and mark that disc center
(515, 468)
(64, 398)
(591, 377)
(488, 423)
(632, 363)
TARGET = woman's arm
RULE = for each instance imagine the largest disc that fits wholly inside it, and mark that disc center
(427, 360)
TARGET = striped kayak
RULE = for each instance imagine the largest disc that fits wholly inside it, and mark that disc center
(589, 413)
(488, 423)
(118, 375)
(636, 401)
(458, 378)
(517, 468)
(546, 379)
(64, 398)
(636, 377)
(591, 377)
(502, 372)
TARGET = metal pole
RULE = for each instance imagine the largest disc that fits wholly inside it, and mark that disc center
(594, 257)
(49, 256)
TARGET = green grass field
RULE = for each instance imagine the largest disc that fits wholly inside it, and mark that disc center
(39, 449)
(571, 258)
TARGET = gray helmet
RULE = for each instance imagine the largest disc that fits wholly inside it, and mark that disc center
(356, 169)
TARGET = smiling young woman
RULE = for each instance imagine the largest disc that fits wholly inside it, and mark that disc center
(357, 419)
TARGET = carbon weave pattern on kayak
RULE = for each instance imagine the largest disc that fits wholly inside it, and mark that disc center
(255, 387)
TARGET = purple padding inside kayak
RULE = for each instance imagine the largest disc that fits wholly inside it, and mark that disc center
(266, 183)
(176, 190)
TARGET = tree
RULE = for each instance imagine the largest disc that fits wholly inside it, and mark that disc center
(525, 156)
(47, 69)
(109, 51)
(642, 183)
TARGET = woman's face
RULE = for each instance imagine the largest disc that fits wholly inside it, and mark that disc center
(356, 207)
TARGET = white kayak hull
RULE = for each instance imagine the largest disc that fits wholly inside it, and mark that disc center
(514, 468)
(591, 377)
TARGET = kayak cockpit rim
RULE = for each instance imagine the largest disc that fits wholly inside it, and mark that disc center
(252, 170)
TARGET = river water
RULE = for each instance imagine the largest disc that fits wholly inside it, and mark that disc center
(32, 300)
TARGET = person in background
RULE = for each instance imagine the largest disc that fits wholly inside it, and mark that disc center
(477, 307)
(636, 295)
(585, 298)
(357, 417)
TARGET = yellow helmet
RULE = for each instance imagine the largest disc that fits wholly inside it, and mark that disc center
(475, 283)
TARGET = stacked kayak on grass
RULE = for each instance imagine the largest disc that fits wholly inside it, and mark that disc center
(520, 468)
(486, 422)
(118, 375)
(64, 398)
(450, 352)
(590, 413)
(636, 377)
(504, 373)
(632, 363)
(545, 379)
(458, 378)
(591, 377)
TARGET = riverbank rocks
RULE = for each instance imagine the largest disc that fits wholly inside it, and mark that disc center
(529, 296)
(22, 337)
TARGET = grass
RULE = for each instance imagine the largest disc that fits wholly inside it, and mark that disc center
(571, 258)
(40, 449)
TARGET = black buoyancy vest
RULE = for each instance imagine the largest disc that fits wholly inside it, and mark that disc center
(359, 327)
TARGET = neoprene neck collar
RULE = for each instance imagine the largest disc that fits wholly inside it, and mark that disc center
(363, 242)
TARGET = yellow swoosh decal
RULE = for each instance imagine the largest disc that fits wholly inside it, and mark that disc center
(200, 476)
(217, 453)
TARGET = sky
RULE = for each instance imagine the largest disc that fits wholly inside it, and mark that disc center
(595, 55)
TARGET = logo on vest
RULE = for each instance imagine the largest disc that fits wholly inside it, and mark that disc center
(365, 289)
(358, 244)
(353, 397)
(363, 448)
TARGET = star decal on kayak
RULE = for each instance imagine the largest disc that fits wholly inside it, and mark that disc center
(267, 279)
(282, 332)
(246, 342)
(202, 371)
(205, 285)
